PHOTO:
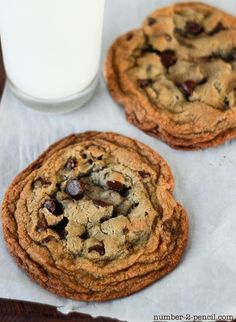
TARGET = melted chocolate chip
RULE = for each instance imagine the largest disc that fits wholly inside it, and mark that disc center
(188, 87)
(193, 28)
(71, 163)
(144, 174)
(85, 235)
(168, 58)
(97, 248)
(103, 219)
(129, 36)
(114, 214)
(60, 228)
(125, 191)
(115, 185)
(75, 188)
(219, 27)
(99, 203)
(145, 82)
(54, 207)
(151, 21)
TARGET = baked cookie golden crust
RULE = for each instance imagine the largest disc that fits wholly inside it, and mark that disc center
(176, 76)
(93, 218)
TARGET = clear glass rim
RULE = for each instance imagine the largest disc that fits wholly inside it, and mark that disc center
(55, 106)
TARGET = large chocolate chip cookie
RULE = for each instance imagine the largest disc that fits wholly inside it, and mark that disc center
(176, 76)
(93, 218)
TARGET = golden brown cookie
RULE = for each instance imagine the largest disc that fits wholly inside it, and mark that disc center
(176, 76)
(93, 218)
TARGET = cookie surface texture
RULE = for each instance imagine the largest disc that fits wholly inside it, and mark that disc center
(176, 76)
(93, 218)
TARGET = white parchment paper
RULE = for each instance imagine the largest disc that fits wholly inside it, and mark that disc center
(205, 281)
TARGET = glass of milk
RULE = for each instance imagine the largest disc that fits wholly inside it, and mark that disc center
(51, 51)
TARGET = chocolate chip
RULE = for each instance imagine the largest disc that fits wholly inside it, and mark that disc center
(145, 82)
(144, 174)
(99, 203)
(85, 235)
(71, 163)
(54, 207)
(167, 225)
(168, 58)
(75, 188)
(219, 27)
(84, 155)
(115, 185)
(125, 191)
(114, 214)
(193, 28)
(188, 87)
(129, 36)
(60, 228)
(50, 205)
(151, 21)
(97, 248)
(167, 37)
(103, 219)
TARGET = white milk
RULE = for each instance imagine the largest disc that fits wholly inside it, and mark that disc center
(51, 48)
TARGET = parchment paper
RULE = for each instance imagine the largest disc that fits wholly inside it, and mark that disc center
(205, 281)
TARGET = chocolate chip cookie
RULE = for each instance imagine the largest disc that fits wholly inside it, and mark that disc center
(176, 76)
(93, 218)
